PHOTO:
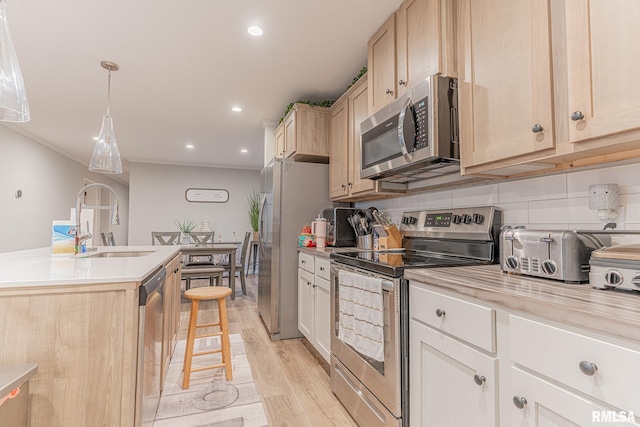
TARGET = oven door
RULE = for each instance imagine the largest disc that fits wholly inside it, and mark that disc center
(370, 390)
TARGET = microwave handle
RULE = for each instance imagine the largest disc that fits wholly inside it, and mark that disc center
(406, 131)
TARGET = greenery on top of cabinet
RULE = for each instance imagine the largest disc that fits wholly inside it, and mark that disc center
(362, 72)
(325, 103)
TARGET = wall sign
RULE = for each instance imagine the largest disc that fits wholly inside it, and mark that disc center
(206, 195)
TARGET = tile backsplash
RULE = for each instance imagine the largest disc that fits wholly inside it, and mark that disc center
(555, 202)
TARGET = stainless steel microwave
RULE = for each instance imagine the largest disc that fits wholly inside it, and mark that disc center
(415, 136)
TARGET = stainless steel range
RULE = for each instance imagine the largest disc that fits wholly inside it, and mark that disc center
(369, 306)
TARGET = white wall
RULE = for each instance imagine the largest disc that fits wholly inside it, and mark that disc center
(49, 182)
(157, 198)
(554, 202)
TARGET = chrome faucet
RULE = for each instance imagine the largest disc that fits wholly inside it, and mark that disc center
(115, 216)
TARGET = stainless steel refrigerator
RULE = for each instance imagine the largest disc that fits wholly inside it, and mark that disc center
(292, 195)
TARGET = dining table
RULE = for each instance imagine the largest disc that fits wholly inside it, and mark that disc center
(210, 250)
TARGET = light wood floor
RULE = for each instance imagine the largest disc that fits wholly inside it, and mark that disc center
(293, 383)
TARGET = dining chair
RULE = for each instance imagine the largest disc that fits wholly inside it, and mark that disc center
(108, 239)
(202, 237)
(241, 265)
(164, 237)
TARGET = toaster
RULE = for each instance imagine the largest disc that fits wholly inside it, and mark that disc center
(556, 254)
(339, 231)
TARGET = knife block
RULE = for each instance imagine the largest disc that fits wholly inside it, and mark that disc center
(393, 239)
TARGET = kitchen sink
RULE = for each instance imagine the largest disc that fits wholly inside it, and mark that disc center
(119, 254)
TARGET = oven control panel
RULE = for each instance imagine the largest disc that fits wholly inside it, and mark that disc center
(477, 223)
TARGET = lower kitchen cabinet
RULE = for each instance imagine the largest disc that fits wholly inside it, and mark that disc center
(536, 373)
(171, 312)
(451, 383)
(314, 303)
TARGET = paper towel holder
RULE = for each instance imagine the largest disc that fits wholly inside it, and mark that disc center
(604, 198)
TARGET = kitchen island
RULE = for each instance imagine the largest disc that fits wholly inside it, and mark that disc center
(77, 318)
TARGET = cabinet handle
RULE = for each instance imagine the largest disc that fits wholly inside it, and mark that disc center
(321, 268)
(388, 92)
(479, 379)
(308, 283)
(303, 262)
(402, 82)
(175, 270)
(577, 115)
(440, 312)
(350, 184)
(314, 286)
(343, 186)
(520, 402)
(537, 128)
(588, 368)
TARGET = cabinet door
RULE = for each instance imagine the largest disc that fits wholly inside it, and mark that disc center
(548, 405)
(279, 141)
(168, 301)
(443, 389)
(603, 58)
(290, 135)
(322, 318)
(358, 112)
(339, 150)
(382, 65)
(305, 304)
(504, 81)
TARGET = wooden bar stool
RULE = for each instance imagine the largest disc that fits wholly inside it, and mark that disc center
(196, 295)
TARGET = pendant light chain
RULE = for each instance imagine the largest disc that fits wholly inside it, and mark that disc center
(109, 94)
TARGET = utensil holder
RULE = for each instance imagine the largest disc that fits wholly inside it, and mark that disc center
(365, 241)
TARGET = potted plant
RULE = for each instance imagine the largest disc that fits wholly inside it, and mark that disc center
(186, 226)
(253, 198)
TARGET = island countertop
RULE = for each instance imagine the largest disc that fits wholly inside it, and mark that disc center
(38, 267)
(607, 311)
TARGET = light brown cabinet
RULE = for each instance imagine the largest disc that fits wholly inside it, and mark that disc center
(171, 309)
(416, 41)
(344, 137)
(303, 135)
(537, 91)
(504, 80)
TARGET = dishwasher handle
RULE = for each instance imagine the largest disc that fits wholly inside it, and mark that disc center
(151, 285)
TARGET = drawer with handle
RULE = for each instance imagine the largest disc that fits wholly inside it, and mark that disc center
(462, 319)
(323, 268)
(600, 369)
(306, 262)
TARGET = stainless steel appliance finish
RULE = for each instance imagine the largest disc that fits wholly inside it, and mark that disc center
(560, 255)
(372, 392)
(616, 267)
(376, 393)
(150, 320)
(339, 232)
(292, 195)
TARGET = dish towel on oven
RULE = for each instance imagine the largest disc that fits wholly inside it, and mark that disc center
(361, 319)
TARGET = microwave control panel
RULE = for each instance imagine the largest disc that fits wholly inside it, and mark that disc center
(421, 122)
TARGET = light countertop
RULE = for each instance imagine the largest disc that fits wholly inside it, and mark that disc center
(607, 311)
(38, 267)
(326, 251)
(14, 376)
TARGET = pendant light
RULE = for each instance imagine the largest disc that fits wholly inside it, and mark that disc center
(106, 156)
(13, 97)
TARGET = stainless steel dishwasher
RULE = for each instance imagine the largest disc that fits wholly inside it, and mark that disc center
(150, 316)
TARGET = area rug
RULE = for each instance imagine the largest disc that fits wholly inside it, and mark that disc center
(211, 400)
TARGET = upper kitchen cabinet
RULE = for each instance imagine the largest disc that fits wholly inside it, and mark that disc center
(344, 137)
(303, 135)
(416, 41)
(425, 41)
(505, 81)
(602, 62)
(382, 66)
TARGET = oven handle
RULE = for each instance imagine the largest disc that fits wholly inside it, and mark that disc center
(360, 394)
(387, 285)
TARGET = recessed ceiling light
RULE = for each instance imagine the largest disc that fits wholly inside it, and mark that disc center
(190, 146)
(244, 150)
(255, 31)
(236, 109)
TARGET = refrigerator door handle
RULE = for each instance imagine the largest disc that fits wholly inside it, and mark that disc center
(261, 224)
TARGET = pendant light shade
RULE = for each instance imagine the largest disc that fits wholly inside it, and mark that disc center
(106, 156)
(13, 97)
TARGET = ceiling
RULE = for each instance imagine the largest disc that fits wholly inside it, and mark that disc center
(183, 66)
